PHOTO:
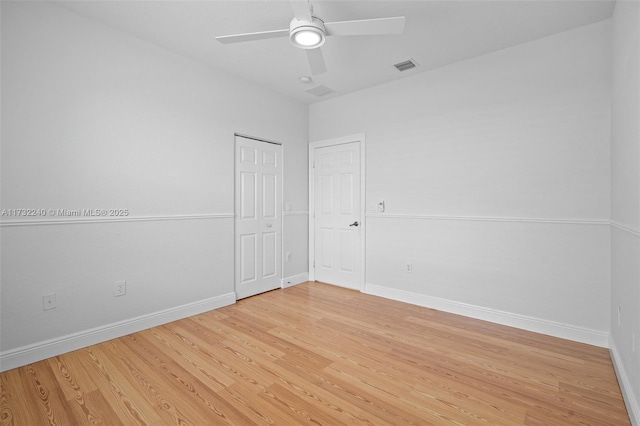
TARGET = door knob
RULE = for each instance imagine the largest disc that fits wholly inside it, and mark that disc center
(354, 223)
(269, 225)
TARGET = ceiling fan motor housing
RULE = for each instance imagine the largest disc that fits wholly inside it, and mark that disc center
(300, 27)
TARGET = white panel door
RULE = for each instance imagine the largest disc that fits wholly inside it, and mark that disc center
(336, 212)
(258, 217)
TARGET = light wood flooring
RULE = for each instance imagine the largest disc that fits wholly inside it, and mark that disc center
(320, 355)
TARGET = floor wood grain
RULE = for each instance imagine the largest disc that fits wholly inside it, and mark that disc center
(321, 355)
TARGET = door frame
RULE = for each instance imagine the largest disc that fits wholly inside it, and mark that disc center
(235, 213)
(360, 139)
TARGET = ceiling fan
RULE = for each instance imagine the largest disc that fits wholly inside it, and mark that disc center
(309, 32)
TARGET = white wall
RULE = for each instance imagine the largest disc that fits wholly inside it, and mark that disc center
(496, 176)
(94, 118)
(625, 201)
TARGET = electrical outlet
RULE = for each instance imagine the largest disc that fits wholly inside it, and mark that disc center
(120, 288)
(288, 256)
(49, 302)
(619, 316)
(408, 268)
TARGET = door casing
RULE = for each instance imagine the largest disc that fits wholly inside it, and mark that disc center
(359, 138)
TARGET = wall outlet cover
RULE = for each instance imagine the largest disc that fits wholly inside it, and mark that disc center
(49, 302)
(120, 288)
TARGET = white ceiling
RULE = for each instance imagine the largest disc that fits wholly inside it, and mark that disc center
(437, 33)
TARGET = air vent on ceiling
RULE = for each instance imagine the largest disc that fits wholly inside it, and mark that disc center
(320, 90)
(406, 65)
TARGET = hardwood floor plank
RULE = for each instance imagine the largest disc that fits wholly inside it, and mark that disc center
(94, 409)
(257, 409)
(165, 379)
(192, 359)
(303, 381)
(438, 386)
(316, 354)
(52, 405)
(291, 350)
(149, 384)
(81, 392)
(233, 366)
(255, 344)
(128, 401)
(600, 407)
(69, 375)
(373, 401)
(16, 400)
(229, 363)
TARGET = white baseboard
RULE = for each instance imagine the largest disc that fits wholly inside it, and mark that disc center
(564, 331)
(630, 400)
(42, 350)
(295, 280)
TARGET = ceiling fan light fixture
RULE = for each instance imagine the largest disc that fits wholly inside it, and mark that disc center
(307, 34)
(307, 38)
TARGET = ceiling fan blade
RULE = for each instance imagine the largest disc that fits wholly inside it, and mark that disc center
(301, 9)
(239, 38)
(316, 61)
(380, 26)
